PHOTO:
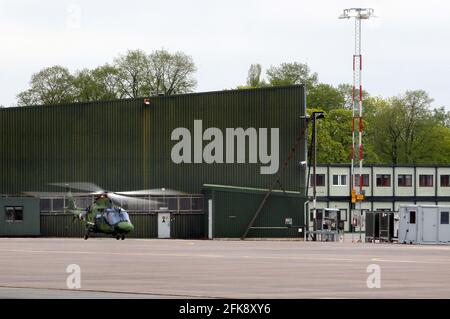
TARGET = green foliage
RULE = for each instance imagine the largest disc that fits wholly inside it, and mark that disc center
(133, 71)
(97, 84)
(170, 73)
(134, 74)
(49, 86)
(254, 76)
(291, 73)
(325, 96)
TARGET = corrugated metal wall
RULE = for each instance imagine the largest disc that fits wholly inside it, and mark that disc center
(190, 225)
(126, 145)
(234, 209)
(261, 108)
(183, 225)
(63, 225)
(93, 142)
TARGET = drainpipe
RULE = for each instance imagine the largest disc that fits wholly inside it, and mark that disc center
(305, 219)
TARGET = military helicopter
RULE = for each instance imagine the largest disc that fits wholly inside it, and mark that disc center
(104, 215)
(101, 217)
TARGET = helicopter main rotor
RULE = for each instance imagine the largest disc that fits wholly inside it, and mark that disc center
(119, 198)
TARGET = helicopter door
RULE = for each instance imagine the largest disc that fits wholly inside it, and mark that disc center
(163, 225)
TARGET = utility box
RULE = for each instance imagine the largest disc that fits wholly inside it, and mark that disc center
(424, 224)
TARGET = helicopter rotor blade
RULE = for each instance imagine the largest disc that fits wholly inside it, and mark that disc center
(154, 192)
(87, 187)
(121, 199)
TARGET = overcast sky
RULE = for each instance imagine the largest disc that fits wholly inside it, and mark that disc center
(406, 47)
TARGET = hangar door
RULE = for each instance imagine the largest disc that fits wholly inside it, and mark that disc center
(232, 209)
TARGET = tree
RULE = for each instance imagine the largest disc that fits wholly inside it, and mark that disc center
(441, 116)
(404, 130)
(324, 96)
(133, 73)
(416, 107)
(98, 84)
(386, 132)
(291, 73)
(254, 76)
(51, 85)
(170, 73)
(158, 73)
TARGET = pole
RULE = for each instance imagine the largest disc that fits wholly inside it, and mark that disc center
(314, 166)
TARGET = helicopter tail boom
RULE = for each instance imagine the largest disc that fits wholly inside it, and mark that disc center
(72, 207)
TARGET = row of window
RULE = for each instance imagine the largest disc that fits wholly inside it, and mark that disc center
(382, 180)
(169, 203)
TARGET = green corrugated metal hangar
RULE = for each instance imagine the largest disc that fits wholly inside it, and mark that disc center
(220, 150)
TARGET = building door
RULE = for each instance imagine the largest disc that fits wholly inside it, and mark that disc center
(444, 224)
(163, 225)
(409, 235)
(429, 224)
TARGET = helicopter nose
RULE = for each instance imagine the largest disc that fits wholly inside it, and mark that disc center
(125, 227)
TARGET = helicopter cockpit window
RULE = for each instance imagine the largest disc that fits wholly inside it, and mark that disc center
(114, 216)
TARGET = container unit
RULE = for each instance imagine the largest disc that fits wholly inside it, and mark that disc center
(424, 224)
(19, 216)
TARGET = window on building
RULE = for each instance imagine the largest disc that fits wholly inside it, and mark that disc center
(444, 218)
(412, 217)
(14, 214)
(185, 203)
(45, 204)
(426, 180)
(383, 180)
(365, 179)
(343, 214)
(197, 203)
(58, 204)
(445, 180)
(320, 180)
(339, 180)
(404, 180)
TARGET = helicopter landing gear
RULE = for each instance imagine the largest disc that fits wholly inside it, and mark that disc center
(86, 236)
(123, 237)
(117, 236)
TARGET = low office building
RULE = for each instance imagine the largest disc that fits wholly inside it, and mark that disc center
(386, 187)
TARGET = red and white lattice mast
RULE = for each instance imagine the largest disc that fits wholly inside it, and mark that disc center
(357, 95)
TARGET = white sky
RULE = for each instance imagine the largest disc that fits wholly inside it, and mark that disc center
(407, 47)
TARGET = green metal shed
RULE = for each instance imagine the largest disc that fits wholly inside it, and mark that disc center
(231, 208)
(19, 216)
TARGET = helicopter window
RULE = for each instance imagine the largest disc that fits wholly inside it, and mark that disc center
(114, 216)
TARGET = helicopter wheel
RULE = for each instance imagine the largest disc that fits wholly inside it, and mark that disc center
(86, 237)
(117, 237)
(123, 237)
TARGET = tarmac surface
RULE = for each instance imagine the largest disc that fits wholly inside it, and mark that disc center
(158, 268)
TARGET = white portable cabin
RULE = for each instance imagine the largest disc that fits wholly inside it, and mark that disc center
(424, 224)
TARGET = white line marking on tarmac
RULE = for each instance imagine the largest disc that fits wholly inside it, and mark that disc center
(184, 255)
(412, 261)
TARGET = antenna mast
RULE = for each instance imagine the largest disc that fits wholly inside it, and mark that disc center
(357, 96)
